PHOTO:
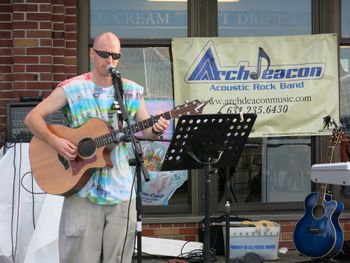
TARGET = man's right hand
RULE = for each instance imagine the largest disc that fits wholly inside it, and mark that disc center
(65, 148)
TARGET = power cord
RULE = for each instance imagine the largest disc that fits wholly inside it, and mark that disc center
(196, 255)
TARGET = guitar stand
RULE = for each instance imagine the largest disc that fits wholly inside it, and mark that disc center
(205, 141)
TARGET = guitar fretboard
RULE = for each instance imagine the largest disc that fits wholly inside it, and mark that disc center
(335, 139)
(134, 128)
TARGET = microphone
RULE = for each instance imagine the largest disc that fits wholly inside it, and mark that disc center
(121, 137)
(112, 70)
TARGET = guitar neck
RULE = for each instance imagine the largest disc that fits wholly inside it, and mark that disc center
(145, 124)
(110, 138)
(323, 187)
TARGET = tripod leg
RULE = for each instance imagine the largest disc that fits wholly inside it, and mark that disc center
(207, 215)
(227, 215)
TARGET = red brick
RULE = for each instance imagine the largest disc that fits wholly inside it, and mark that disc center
(45, 59)
(5, 51)
(70, 3)
(18, 16)
(191, 238)
(25, 25)
(40, 1)
(70, 19)
(148, 232)
(71, 44)
(287, 228)
(6, 8)
(39, 33)
(58, 18)
(166, 225)
(59, 60)
(6, 60)
(45, 25)
(154, 226)
(5, 26)
(39, 51)
(188, 231)
(58, 26)
(45, 42)
(71, 27)
(191, 225)
(5, 17)
(38, 68)
(19, 68)
(57, 43)
(58, 68)
(5, 42)
(5, 86)
(45, 77)
(5, 34)
(25, 7)
(25, 77)
(58, 9)
(19, 34)
(59, 77)
(39, 85)
(45, 7)
(71, 35)
(5, 69)
(19, 85)
(71, 10)
(38, 16)
(58, 51)
(71, 52)
(71, 69)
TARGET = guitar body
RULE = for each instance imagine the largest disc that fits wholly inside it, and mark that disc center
(58, 176)
(318, 234)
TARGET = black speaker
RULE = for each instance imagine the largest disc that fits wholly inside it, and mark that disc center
(216, 232)
(16, 130)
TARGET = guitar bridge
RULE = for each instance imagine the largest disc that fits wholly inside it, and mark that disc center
(314, 230)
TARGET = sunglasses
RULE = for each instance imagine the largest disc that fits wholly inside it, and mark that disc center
(105, 54)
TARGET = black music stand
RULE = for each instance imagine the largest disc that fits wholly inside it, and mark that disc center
(205, 141)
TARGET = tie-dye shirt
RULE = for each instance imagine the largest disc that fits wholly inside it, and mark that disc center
(106, 186)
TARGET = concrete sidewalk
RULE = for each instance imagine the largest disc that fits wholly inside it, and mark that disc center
(291, 256)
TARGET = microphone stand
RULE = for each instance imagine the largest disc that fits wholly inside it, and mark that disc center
(138, 161)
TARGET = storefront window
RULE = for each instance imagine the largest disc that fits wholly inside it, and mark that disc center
(264, 18)
(139, 18)
(345, 110)
(345, 18)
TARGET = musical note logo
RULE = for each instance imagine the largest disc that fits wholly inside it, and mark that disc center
(261, 54)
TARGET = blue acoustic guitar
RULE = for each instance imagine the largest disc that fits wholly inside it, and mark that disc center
(318, 233)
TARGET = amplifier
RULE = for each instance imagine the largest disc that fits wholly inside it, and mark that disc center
(16, 130)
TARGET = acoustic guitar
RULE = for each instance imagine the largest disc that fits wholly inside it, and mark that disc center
(94, 140)
(318, 233)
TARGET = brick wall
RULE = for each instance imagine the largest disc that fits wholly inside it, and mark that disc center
(38, 41)
(190, 232)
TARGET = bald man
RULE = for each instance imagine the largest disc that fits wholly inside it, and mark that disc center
(96, 221)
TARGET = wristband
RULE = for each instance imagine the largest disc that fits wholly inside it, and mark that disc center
(157, 133)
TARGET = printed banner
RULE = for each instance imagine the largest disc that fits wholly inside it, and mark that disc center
(290, 82)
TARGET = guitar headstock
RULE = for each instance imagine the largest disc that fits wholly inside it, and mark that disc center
(194, 107)
(337, 135)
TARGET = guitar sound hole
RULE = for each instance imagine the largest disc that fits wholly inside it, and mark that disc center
(318, 211)
(86, 148)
